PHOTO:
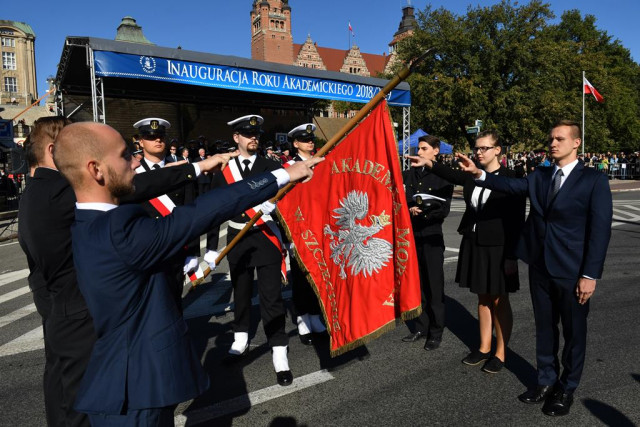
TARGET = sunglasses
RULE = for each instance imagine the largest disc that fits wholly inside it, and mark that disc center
(153, 137)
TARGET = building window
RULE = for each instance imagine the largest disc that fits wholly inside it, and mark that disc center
(8, 60)
(10, 84)
(8, 42)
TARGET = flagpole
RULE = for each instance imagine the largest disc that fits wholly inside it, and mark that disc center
(583, 77)
(348, 127)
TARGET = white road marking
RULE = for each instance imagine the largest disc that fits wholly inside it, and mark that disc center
(450, 259)
(13, 276)
(14, 294)
(452, 250)
(8, 244)
(632, 207)
(18, 314)
(249, 400)
(33, 340)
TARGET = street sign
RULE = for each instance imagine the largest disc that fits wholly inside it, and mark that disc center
(6, 133)
(473, 129)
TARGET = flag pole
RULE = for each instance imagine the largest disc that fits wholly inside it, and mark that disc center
(348, 127)
(583, 77)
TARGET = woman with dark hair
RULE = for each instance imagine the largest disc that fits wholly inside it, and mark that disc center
(487, 265)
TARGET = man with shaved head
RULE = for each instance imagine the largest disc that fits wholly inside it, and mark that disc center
(45, 217)
(143, 362)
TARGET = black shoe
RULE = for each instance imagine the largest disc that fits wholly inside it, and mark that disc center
(476, 357)
(536, 395)
(432, 344)
(558, 404)
(306, 339)
(284, 378)
(493, 365)
(414, 337)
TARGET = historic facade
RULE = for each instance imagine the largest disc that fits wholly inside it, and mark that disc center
(18, 73)
(271, 40)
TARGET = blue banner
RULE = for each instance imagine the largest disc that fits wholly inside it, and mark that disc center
(113, 64)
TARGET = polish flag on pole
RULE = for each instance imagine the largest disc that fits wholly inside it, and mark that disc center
(351, 28)
(588, 88)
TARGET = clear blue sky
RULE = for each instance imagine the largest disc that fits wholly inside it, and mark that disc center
(223, 27)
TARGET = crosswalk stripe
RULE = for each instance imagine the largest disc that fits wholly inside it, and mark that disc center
(32, 340)
(18, 314)
(13, 276)
(251, 399)
(632, 207)
(14, 294)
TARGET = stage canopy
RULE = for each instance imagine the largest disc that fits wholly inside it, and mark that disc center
(95, 76)
(153, 72)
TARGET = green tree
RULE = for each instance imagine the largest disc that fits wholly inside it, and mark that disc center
(505, 64)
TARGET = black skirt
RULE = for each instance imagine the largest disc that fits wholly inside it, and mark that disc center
(481, 268)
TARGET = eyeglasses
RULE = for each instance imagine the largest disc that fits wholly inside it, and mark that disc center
(481, 149)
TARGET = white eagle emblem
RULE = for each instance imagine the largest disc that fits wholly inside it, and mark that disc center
(353, 245)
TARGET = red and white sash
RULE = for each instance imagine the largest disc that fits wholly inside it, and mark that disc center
(265, 223)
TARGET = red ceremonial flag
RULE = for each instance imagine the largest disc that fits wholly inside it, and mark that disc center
(588, 88)
(350, 28)
(352, 232)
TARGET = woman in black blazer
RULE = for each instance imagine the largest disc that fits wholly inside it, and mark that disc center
(487, 265)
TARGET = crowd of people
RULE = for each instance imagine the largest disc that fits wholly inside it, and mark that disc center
(616, 165)
(110, 229)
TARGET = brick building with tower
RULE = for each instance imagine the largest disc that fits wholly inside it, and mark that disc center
(272, 41)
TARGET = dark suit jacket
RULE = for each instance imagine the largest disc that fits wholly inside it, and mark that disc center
(570, 233)
(143, 357)
(169, 159)
(500, 220)
(45, 217)
(255, 246)
(418, 181)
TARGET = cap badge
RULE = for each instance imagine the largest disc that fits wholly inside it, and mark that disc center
(154, 124)
(253, 121)
(309, 128)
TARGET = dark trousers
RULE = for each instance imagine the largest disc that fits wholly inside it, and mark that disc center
(71, 338)
(555, 301)
(430, 251)
(154, 417)
(51, 381)
(304, 298)
(271, 303)
(68, 342)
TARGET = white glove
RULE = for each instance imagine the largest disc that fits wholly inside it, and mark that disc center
(267, 207)
(210, 258)
(190, 264)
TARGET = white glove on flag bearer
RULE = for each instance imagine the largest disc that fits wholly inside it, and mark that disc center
(210, 258)
(267, 207)
(190, 264)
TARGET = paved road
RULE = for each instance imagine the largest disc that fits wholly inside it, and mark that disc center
(385, 383)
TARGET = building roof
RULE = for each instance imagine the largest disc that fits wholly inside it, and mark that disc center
(333, 59)
(130, 31)
(25, 28)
